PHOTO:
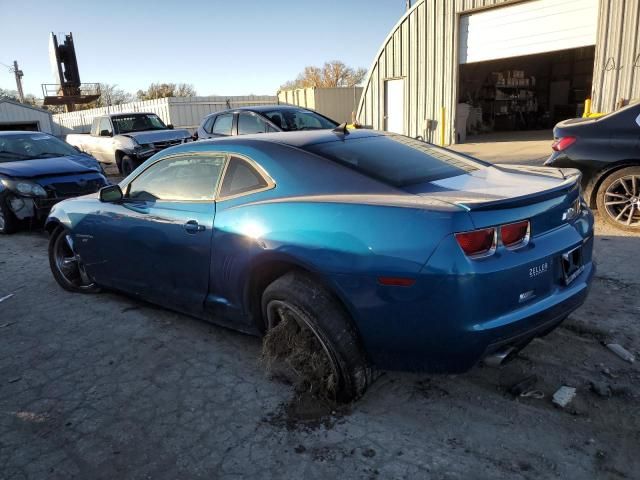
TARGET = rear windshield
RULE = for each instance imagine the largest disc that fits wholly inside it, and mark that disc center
(395, 160)
(291, 120)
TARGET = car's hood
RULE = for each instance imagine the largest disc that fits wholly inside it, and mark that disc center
(49, 166)
(496, 185)
(153, 136)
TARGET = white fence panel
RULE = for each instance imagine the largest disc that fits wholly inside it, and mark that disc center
(187, 112)
(182, 112)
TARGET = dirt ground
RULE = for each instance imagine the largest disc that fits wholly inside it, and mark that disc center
(103, 386)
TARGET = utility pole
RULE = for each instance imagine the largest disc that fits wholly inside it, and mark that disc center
(18, 73)
(408, 5)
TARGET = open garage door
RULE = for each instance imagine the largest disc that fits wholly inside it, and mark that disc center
(536, 26)
(525, 66)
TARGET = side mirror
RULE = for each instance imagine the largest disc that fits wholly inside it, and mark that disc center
(105, 133)
(111, 194)
(170, 126)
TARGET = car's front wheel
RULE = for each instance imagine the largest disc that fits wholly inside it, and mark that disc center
(8, 222)
(618, 198)
(311, 340)
(66, 265)
(128, 165)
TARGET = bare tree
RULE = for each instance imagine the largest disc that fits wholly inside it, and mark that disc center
(109, 95)
(29, 98)
(163, 90)
(332, 74)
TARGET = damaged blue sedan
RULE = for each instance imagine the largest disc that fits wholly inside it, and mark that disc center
(348, 250)
(38, 170)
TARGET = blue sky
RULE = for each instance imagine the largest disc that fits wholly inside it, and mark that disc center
(221, 47)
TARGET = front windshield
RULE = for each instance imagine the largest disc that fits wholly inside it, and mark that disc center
(290, 120)
(30, 146)
(137, 123)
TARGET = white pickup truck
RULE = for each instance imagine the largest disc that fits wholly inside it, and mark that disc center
(127, 139)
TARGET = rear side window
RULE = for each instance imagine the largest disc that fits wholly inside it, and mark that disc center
(223, 124)
(395, 160)
(208, 124)
(241, 177)
(105, 124)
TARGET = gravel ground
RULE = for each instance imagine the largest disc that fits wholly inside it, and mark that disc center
(104, 386)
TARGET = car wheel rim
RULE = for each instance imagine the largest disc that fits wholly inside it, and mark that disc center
(622, 200)
(303, 358)
(69, 264)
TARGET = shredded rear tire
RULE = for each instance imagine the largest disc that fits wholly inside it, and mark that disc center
(311, 341)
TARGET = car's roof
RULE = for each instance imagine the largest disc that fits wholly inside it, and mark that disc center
(22, 132)
(124, 114)
(267, 108)
(261, 109)
(296, 139)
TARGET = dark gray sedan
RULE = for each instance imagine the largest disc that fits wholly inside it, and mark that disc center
(607, 152)
(262, 119)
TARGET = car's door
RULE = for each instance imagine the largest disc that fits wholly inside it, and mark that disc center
(222, 126)
(103, 141)
(156, 243)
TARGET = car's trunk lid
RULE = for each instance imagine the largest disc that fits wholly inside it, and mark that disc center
(500, 195)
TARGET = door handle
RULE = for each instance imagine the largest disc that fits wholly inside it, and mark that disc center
(192, 226)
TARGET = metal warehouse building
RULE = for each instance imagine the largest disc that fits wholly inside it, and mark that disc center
(454, 66)
(20, 116)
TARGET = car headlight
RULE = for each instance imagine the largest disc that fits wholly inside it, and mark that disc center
(28, 189)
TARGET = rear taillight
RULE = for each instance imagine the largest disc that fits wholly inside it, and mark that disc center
(515, 234)
(563, 143)
(477, 243)
(483, 242)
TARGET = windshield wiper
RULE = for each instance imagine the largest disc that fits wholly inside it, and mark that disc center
(15, 154)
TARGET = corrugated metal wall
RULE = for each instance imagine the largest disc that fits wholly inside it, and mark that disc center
(12, 113)
(302, 97)
(422, 49)
(336, 103)
(181, 112)
(616, 72)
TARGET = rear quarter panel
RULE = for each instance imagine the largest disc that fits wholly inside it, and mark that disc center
(327, 238)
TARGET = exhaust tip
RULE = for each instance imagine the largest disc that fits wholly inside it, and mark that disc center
(499, 357)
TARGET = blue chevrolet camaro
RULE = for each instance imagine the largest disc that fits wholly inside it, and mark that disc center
(348, 250)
